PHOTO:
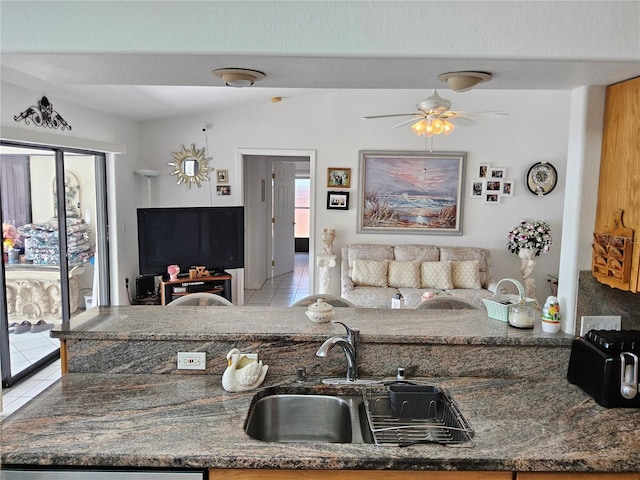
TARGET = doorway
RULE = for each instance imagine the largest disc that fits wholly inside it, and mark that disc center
(263, 198)
(43, 191)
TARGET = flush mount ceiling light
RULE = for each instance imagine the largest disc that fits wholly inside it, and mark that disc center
(463, 81)
(238, 77)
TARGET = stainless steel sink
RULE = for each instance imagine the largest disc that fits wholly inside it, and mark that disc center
(383, 415)
(309, 418)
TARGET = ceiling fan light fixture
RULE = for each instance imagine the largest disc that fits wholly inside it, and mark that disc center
(431, 127)
(419, 128)
(447, 127)
(239, 77)
(463, 81)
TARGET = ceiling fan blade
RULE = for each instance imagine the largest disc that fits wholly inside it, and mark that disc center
(481, 114)
(462, 120)
(416, 118)
(392, 115)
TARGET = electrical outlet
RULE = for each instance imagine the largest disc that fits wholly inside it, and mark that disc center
(192, 360)
(605, 322)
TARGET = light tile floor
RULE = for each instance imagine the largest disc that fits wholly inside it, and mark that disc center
(27, 348)
(284, 290)
(16, 396)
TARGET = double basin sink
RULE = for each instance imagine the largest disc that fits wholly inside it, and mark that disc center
(351, 416)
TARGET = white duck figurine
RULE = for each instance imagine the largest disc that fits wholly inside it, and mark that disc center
(242, 373)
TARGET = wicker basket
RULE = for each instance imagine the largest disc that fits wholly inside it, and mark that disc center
(498, 305)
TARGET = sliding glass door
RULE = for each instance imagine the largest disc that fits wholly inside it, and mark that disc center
(53, 201)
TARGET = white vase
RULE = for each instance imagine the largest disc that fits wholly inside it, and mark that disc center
(550, 327)
(526, 269)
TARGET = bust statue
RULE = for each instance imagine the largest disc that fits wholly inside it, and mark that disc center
(328, 235)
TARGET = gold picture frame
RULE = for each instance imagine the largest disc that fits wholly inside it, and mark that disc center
(338, 177)
(411, 192)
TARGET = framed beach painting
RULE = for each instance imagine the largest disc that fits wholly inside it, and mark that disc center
(411, 192)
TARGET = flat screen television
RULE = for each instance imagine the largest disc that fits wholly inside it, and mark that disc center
(208, 236)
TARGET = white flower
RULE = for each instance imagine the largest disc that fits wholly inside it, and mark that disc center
(533, 235)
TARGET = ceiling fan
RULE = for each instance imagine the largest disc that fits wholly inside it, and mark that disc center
(433, 115)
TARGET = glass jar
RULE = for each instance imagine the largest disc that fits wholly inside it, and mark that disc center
(521, 315)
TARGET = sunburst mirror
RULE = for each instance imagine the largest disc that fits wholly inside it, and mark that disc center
(190, 166)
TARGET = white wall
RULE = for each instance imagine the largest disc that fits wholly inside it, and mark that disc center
(583, 168)
(92, 127)
(538, 129)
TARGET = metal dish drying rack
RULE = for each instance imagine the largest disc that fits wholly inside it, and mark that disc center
(444, 424)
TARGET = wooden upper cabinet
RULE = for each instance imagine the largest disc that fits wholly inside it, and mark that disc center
(619, 186)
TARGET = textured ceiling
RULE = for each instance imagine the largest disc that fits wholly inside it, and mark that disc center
(147, 60)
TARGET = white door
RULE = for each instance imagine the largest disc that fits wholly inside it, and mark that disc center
(283, 216)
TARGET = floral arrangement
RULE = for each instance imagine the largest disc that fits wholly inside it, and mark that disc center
(533, 235)
(173, 271)
(10, 236)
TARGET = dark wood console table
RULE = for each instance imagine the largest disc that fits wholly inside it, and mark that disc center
(172, 289)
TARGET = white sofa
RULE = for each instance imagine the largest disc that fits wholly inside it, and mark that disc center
(371, 275)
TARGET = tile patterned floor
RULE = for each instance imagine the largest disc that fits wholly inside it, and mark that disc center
(27, 348)
(283, 290)
(16, 396)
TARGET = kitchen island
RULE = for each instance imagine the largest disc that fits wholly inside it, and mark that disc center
(525, 420)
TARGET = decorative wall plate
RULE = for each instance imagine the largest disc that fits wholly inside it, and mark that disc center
(541, 178)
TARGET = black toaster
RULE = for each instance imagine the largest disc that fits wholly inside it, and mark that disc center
(604, 363)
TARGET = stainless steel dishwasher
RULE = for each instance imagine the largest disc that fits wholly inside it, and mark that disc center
(99, 475)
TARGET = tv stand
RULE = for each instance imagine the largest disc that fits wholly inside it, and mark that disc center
(218, 283)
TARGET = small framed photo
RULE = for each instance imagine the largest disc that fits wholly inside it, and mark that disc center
(338, 200)
(483, 170)
(223, 189)
(497, 173)
(338, 177)
(223, 176)
(494, 186)
(507, 188)
(492, 198)
(477, 188)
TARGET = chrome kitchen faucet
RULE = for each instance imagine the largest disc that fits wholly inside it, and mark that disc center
(350, 346)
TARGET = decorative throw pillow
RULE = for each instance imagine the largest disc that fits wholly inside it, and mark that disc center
(404, 274)
(466, 274)
(369, 272)
(436, 275)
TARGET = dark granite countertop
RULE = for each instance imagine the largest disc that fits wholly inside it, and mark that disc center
(190, 421)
